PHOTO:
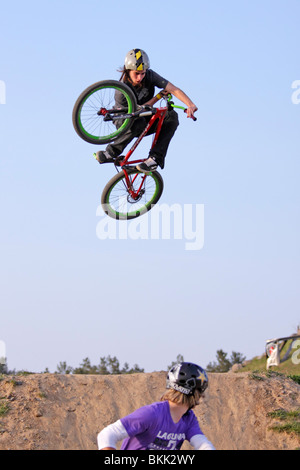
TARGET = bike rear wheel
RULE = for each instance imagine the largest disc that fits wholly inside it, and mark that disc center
(90, 108)
(118, 202)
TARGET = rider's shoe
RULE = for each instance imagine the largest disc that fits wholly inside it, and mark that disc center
(147, 166)
(103, 157)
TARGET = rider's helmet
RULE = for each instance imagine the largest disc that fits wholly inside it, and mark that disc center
(136, 59)
(186, 377)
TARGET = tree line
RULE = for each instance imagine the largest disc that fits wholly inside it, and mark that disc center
(111, 366)
(107, 366)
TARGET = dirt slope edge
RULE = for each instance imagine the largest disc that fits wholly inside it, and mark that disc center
(49, 411)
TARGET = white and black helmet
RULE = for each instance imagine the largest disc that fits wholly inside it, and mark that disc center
(136, 59)
(186, 377)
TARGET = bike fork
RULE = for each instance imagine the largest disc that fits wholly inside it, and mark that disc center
(130, 182)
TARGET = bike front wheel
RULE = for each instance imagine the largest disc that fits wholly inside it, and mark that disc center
(130, 195)
(90, 110)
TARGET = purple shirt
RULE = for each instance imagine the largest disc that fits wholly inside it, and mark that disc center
(152, 427)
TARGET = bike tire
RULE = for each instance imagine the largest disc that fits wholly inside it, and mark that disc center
(89, 125)
(117, 202)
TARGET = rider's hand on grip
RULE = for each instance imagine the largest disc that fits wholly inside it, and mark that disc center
(192, 116)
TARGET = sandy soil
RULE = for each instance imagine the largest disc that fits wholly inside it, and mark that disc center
(64, 412)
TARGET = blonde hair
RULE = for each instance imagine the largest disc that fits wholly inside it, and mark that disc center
(181, 399)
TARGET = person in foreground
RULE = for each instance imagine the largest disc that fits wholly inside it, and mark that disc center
(164, 425)
(142, 80)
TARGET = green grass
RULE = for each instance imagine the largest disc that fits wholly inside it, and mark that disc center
(295, 378)
(283, 415)
(255, 375)
(289, 367)
(260, 375)
(3, 407)
(290, 421)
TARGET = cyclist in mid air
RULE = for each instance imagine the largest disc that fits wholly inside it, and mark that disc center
(142, 80)
(166, 424)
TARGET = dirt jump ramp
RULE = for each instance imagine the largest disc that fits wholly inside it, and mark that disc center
(66, 412)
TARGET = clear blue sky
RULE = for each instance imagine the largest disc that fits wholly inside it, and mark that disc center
(66, 294)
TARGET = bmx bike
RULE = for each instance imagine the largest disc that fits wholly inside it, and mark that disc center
(97, 120)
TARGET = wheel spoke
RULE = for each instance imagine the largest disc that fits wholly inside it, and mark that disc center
(91, 126)
(121, 204)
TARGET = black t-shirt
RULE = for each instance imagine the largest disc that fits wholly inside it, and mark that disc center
(146, 91)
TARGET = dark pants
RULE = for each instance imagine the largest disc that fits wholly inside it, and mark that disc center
(159, 150)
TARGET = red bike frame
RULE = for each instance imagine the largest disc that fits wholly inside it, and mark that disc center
(159, 115)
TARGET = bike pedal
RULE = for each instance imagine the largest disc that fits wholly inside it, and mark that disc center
(118, 160)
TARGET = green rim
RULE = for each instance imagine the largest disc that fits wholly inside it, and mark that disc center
(135, 213)
(113, 134)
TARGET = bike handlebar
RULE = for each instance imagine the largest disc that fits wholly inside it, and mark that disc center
(150, 110)
(168, 99)
(144, 110)
(193, 117)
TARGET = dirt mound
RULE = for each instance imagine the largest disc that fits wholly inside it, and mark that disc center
(63, 412)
